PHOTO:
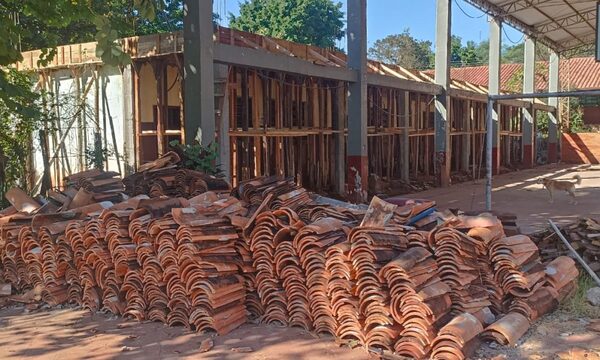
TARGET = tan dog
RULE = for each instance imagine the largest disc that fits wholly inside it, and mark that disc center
(561, 185)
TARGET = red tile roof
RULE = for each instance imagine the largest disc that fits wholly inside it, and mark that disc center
(576, 73)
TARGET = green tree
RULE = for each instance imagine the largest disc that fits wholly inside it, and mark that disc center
(124, 17)
(404, 50)
(468, 54)
(28, 24)
(482, 52)
(312, 22)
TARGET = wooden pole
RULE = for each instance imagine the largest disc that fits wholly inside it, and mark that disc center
(575, 253)
(69, 126)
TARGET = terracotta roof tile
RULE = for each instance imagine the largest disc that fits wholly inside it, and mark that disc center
(577, 73)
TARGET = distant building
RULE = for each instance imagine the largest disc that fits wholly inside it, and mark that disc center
(575, 74)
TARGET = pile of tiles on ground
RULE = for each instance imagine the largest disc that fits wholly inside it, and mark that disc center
(271, 252)
(395, 289)
(583, 235)
(166, 177)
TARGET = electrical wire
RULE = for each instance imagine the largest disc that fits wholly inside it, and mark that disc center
(466, 14)
(509, 39)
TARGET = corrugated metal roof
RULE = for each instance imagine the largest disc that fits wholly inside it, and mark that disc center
(575, 74)
(561, 24)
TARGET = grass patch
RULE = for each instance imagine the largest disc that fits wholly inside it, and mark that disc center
(577, 304)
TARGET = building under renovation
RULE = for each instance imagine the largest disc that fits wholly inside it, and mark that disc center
(330, 120)
(265, 267)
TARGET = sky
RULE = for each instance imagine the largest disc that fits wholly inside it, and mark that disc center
(387, 17)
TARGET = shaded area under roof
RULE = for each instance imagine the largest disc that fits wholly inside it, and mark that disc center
(561, 24)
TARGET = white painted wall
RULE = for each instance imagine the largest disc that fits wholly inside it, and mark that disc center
(111, 105)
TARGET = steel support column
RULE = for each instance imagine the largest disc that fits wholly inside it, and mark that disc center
(199, 107)
(554, 119)
(494, 88)
(357, 164)
(529, 112)
(442, 101)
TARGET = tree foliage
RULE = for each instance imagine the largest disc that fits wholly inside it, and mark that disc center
(19, 117)
(311, 22)
(404, 50)
(407, 51)
(36, 24)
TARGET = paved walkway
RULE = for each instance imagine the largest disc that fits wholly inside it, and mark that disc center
(518, 193)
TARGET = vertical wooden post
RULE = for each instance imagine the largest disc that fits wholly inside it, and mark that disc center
(339, 125)
(160, 74)
(136, 68)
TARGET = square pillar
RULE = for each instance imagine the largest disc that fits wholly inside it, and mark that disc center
(554, 86)
(357, 161)
(442, 101)
(199, 109)
(529, 112)
(494, 87)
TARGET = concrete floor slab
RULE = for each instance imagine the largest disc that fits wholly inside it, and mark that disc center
(518, 193)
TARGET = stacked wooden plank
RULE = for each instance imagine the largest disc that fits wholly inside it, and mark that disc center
(584, 236)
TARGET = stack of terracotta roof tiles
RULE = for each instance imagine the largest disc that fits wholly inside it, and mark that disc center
(15, 269)
(271, 252)
(276, 191)
(166, 177)
(210, 266)
(311, 244)
(420, 300)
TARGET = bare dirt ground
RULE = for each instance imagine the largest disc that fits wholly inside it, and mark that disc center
(518, 193)
(75, 334)
(559, 335)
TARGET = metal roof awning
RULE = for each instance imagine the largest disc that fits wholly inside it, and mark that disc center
(561, 24)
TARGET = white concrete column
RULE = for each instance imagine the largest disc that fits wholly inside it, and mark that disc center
(442, 101)
(222, 93)
(529, 113)
(128, 120)
(494, 86)
(554, 86)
